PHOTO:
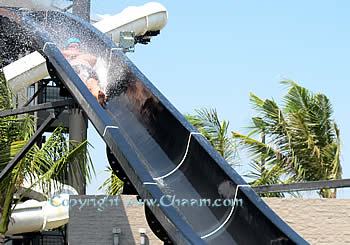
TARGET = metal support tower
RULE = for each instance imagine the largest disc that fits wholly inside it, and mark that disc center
(78, 121)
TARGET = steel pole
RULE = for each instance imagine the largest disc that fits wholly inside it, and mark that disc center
(78, 121)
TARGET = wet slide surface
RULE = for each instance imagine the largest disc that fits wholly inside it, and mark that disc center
(200, 198)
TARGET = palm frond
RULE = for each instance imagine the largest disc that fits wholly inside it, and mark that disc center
(260, 150)
(301, 137)
(209, 124)
(45, 166)
(113, 185)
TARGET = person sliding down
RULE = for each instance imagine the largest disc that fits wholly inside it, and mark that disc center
(83, 64)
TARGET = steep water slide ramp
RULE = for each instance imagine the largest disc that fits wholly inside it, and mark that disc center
(199, 198)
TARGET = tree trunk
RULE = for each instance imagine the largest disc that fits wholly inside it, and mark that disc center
(334, 193)
(328, 193)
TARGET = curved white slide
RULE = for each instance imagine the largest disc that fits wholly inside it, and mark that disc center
(34, 216)
(149, 17)
(26, 71)
(32, 68)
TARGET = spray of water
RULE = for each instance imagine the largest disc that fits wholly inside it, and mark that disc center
(61, 30)
(101, 69)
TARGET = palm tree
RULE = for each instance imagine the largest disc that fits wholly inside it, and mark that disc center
(209, 124)
(299, 142)
(41, 165)
(113, 185)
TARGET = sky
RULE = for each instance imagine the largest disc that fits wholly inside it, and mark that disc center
(214, 53)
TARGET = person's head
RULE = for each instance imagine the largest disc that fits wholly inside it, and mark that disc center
(72, 43)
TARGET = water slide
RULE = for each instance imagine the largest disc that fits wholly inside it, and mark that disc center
(200, 199)
(143, 20)
(34, 216)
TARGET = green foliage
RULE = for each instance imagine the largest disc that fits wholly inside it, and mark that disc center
(300, 140)
(113, 185)
(44, 166)
(5, 98)
(216, 131)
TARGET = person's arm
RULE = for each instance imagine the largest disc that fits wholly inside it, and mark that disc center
(95, 89)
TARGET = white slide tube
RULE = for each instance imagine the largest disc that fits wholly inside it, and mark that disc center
(25, 71)
(32, 68)
(34, 216)
(149, 17)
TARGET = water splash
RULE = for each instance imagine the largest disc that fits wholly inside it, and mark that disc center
(101, 69)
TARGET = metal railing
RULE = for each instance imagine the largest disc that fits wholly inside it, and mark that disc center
(303, 186)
